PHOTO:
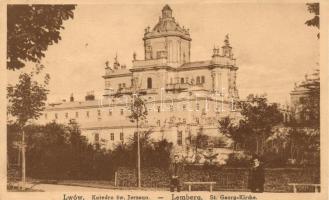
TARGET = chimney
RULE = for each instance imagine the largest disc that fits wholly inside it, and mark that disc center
(90, 96)
(71, 98)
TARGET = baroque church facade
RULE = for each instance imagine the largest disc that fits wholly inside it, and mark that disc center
(183, 98)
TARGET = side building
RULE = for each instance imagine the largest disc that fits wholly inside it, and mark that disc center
(305, 99)
(183, 98)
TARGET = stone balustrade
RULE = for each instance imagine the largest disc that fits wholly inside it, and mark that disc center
(221, 60)
(149, 63)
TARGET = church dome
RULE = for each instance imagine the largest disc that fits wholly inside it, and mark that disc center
(167, 26)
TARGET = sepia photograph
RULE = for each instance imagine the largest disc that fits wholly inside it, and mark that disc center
(165, 100)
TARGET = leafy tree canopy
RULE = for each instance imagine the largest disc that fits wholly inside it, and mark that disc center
(258, 119)
(138, 109)
(259, 114)
(31, 29)
(27, 98)
(315, 21)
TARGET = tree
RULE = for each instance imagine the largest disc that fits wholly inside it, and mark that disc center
(31, 29)
(258, 119)
(58, 151)
(315, 21)
(298, 145)
(239, 132)
(27, 98)
(26, 101)
(261, 117)
(161, 154)
(198, 141)
(138, 113)
(153, 153)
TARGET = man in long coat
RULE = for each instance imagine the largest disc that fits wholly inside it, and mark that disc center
(175, 171)
(256, 176)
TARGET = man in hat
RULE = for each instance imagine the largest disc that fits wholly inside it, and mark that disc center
(175, 171)
(256, 176)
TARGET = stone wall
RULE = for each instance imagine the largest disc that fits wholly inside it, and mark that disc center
(276, 179)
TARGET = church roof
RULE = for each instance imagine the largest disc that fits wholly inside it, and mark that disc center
(196, 64)
(73, 105)
(166, 7)
(107, 124)
(167, 26)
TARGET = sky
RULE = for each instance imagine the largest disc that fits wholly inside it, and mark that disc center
(272, 45)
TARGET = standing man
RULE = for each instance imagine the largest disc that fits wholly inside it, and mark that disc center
(175, 170)
(256, 176)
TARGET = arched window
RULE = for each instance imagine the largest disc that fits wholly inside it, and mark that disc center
(171, 108)
(198, 80)
(181, 80)
(179, 138)
(148, 52)
(202, 79)
(149, 83)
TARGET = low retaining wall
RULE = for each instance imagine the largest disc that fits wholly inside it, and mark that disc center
(276, 179)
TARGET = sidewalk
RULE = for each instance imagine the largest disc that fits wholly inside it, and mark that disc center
(81, 184)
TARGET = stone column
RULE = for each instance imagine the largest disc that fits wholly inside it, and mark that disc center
(220, 82)
(213, 78)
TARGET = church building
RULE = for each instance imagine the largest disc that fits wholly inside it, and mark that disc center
(183, 98)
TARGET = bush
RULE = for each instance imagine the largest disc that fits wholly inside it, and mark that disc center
(153, 154)
(273, 159)
(238, 160)
(226, 178)
(57, 151)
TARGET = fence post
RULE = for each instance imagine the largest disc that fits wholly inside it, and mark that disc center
(316, 189)
(115, 178)
(226, 181)
(295, 189)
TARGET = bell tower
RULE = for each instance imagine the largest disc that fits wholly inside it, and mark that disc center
(167, 40)
(227, 49)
